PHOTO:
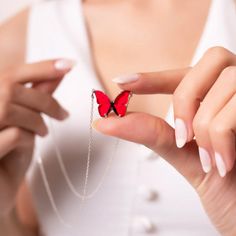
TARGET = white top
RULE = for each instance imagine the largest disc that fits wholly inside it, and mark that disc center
(141, 193)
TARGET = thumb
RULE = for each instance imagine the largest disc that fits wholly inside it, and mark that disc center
(159, 136)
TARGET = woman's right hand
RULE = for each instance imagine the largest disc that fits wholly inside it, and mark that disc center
(21, 108)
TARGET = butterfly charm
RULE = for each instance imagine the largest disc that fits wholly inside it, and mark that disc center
(105, 105)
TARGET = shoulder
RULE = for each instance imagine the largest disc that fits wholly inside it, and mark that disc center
(13, 40)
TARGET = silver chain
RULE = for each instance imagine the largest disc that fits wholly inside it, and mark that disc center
(83, 196)
(89, 147)
(49, 192)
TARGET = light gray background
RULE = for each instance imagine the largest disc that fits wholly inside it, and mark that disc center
(10, 7)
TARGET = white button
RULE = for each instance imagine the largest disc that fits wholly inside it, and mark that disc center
(142, 224)
(147, 194)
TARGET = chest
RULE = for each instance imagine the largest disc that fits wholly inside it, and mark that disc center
(126, 40)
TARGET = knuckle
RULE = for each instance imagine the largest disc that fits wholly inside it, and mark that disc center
(219, 54)
(179, 97)
(217, 129)
(142, 75)
(217, 51)
(155, 142)
(229, 72)
(200, 125)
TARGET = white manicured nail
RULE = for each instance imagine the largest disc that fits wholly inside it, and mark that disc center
(180, 133)
(205, 159)
(126, 79)
(64, 64)
(220, 164)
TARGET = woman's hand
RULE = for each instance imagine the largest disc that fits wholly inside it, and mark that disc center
(20, 119)
(204, 100)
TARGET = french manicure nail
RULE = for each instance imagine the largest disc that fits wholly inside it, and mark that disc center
(64, 64)
(126, 79)
(220, 164)
(205, 159)
(180, 133)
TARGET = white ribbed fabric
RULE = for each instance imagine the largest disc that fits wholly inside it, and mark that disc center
(122, 207)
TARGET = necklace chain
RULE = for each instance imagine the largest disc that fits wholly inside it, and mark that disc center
(89, 147)
(71, 186)
(49, 191)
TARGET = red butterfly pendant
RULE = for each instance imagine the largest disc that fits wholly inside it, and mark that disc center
(119, 105)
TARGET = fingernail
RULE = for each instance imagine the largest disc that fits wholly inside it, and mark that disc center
(205, 159)
(94, 124)
(180, 133)
(64, 114)
(220, 164)
(64, 64)
(126, 79)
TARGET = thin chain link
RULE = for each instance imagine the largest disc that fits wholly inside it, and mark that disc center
(61, 163)
(83, 195)
(89, 147)
(49, 192)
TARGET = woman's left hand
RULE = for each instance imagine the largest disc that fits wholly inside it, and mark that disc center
(204, 101)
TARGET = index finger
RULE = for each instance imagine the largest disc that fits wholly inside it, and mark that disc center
(41, 71)
(163, 82)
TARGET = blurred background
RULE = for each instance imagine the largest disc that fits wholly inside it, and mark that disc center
(9, 7)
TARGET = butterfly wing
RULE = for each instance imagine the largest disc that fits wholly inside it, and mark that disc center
(104, 103)
(121, 103)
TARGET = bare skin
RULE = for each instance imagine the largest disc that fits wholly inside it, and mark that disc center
(19, 105)
(143, 24)
(13, 41)
(112, 52)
